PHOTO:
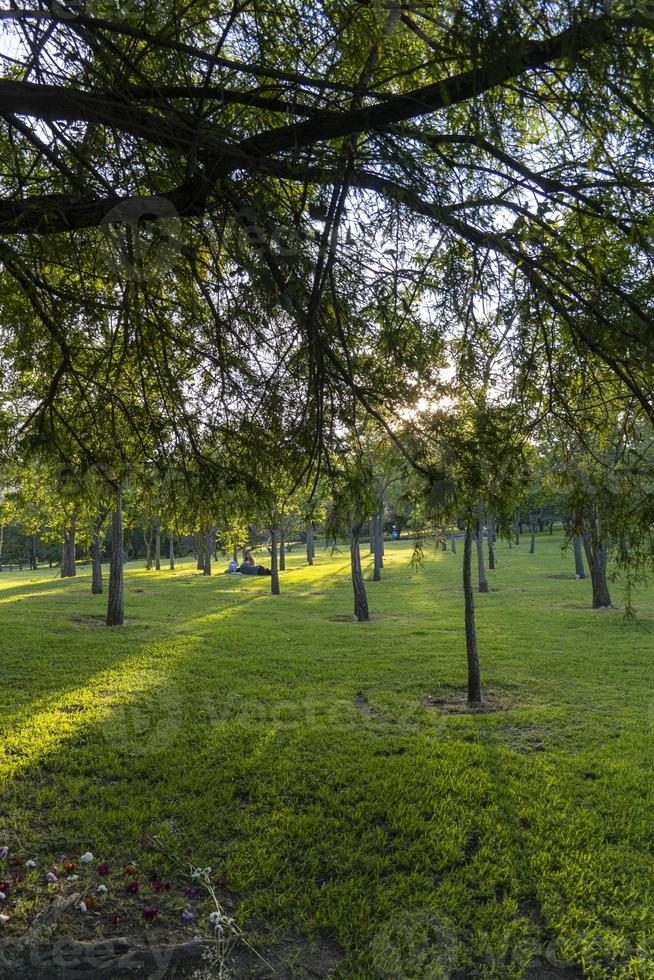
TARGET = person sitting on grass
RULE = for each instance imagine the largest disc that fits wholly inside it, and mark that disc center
(253, 569)
(232, 567)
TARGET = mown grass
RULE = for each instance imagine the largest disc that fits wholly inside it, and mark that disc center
(295, 752)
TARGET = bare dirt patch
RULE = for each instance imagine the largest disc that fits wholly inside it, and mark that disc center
(99, 620)
(455, 702)
(289, 958)
(362, 704)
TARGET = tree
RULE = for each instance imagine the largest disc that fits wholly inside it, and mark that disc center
(478, 451)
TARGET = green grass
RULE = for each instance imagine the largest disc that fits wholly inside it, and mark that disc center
(263, 737)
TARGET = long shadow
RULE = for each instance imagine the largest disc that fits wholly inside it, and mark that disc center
(105, 649)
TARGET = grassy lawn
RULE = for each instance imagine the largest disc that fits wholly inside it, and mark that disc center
(311, 762)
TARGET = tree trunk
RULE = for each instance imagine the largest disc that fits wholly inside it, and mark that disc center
(33, 559)
(115, 609)
(96, 566)
(532, 529)
(516, 529)
(474, 681)
(157, 548)
(207, 550)
(274, 577)
(200, 541)
(379, 540)
(282, 551)
(148, 547)
(483, 581)
(360, 598)
(453, 542)
(309, 544)
(2, 544)
(378, 561)
(596, 549)
(490, 531)
(171, 552)
(68, 566)
(371, 534)
(580, 571)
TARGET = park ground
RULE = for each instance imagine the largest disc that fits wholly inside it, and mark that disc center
(328, 772)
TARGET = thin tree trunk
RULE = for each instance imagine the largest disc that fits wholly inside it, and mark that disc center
(33, 559)
(596, 549)
(483, 581)
(472, 652)
(580, 571)
(378, 561)
(171, 551)
(453, 542)
(115, 608)
(360, 598)
(157, 548)
(379, 540)
(274, 577)
(490, 531)
(532, 529)
(148, 547)
(96, 565)
(200, 540)
(207, 550)
(516, 529)
(2, 544)
(282, 550)
(371, 534)
(310, 544)
(68, 565)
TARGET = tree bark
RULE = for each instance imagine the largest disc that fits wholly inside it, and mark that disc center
(532, 529)
(378, 561)
(596, 548)
(96, 565)
(157, 548)
(148, 547)
(483, 581)
(490, 531)
(309, 544)
(580, 571)
(207, 550)
(472, 652)
(371, 534)
(516, 529)
(68, 565)
(360, 598)
(379, 539)
(115, 607)
(171, 551)
(274, 577)
(282, 550)
(200, 540)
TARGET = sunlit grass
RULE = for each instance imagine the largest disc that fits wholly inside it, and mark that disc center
(263, 735)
